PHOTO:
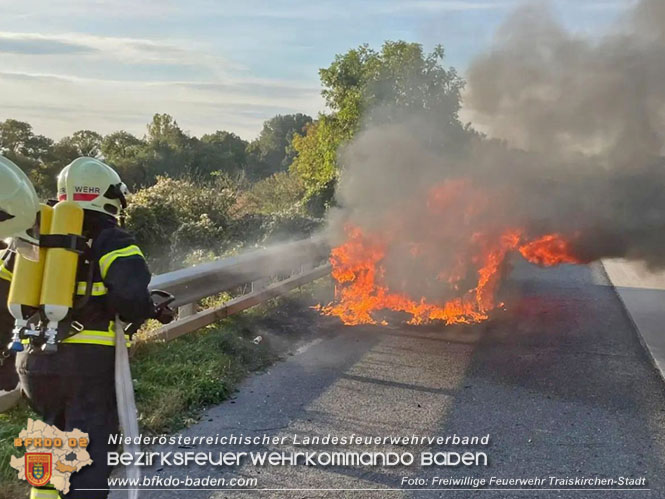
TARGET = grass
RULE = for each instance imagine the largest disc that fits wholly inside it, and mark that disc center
(11, 424)
(175, 381)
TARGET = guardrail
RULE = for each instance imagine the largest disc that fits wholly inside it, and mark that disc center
(265, 273)
(271, 272)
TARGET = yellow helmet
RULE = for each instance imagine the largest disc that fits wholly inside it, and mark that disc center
(93, 185)
(19, 204)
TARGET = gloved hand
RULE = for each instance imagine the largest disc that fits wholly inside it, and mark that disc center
(161, 301)
(164, 314)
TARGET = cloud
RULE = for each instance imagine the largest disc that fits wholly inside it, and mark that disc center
(238, 105)
(202, 59)
(264, 88)
(328, 10)
(603, 4)
(420, 6)
(119, 48)
(54, 9)
(25, 45)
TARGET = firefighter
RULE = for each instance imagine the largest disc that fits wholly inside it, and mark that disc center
(19, 206)
(8, 376)
(74, 387)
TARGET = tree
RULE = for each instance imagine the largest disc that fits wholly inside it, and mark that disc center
(163, 131)
(278, 193)
(316, 161)
(34, 154)
(87, 143)
(271, 152)
(176, 216)
(221, 151)
(120, 145)
(39, 147)
(129, 155)
(15, 136)
(169, 150)
(399, 80)
(364, 87)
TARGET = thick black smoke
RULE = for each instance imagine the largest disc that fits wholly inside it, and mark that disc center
(575, 145)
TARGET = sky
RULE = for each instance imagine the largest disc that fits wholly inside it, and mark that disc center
(108, 65)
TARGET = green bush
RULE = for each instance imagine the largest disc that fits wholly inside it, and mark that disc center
(175, 216)
(279, 192)
(261, 229)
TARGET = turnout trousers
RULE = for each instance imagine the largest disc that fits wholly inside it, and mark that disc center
(75, 389)
(8, 376)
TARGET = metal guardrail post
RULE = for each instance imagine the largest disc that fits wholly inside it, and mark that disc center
(306, 267)
(259, 284)
(186, 310)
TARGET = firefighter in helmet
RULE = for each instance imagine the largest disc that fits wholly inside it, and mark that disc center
(19, 206)
(74, 387)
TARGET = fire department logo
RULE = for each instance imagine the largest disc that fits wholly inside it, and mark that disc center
(38, 468)
(51, 455)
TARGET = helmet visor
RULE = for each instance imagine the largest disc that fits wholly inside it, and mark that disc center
(26, 249)
(27, 243)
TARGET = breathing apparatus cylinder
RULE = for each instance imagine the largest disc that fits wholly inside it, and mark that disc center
(60, 266)
(26, 285)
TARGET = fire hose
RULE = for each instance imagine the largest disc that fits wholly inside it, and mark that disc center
(124, 390)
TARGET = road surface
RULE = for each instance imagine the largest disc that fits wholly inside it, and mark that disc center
(642, 292)
(559, 380)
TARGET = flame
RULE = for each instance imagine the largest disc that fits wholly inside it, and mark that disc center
(548, 250)
(472, 277)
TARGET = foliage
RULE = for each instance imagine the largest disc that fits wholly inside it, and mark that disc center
(120, 145)
(271, 151)
(86, 143)
(175, 380)
(128, 155)
(281, 191)
(197, 198)
(316, 161)
(167, 150)
(222, 152)
(176, 215)
(255, 229)
(11, 424)
(40, 157)
(218, 193)
(364, 86)
(399, 80)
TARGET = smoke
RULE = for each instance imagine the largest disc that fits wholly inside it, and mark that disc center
(574, 145)
(544, 89)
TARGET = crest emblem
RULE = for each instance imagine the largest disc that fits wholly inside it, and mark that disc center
(38, 468)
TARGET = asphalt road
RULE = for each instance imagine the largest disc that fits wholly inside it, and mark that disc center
(642, 292)
(558, 380)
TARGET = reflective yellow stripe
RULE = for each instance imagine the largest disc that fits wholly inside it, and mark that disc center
(86, 337)
(5, 273)
(43, 493)
(107, 260)
(98, 288)
(94, 338)
(89, 337)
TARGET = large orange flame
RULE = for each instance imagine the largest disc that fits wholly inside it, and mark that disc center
(360, 272)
